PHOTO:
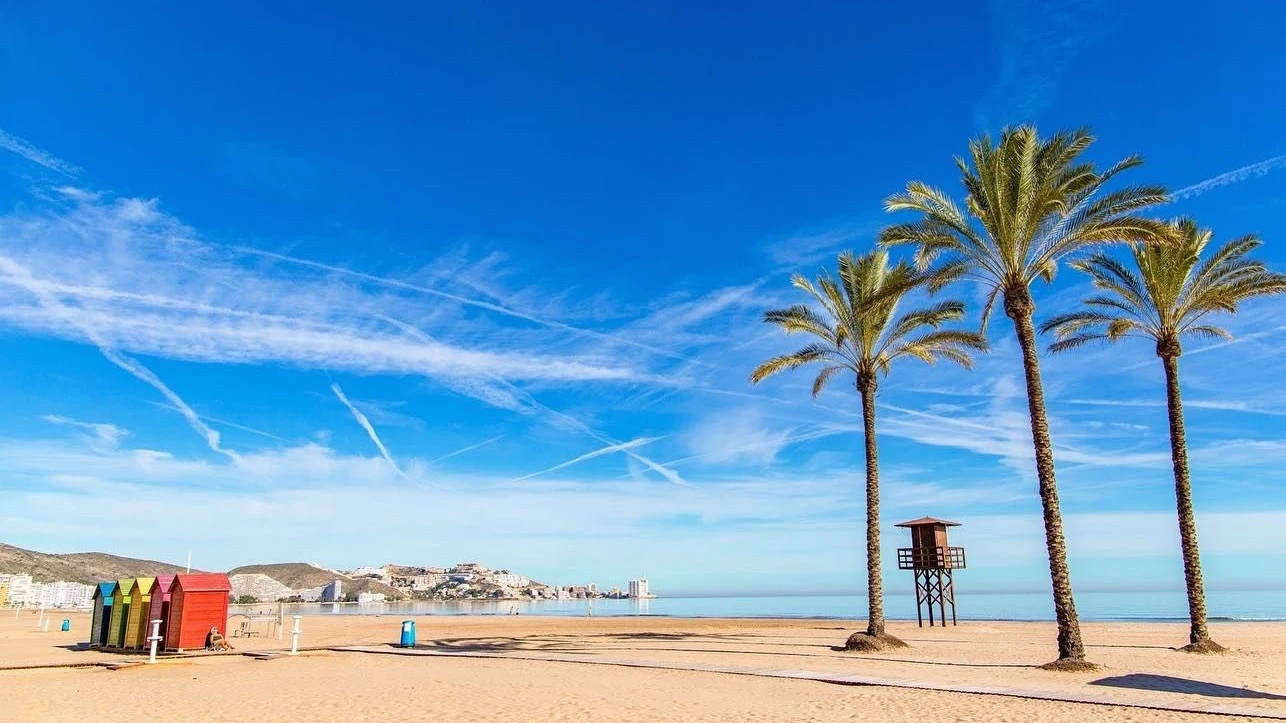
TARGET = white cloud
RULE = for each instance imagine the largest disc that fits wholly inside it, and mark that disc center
(730, 436)
(109, 435)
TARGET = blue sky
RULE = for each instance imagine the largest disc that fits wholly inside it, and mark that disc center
(355, 286)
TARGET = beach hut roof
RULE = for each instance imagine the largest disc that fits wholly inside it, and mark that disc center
(164, 582)
(927, 521)
(126, 584)
(104, 589)
(144, 584)
(202, 582)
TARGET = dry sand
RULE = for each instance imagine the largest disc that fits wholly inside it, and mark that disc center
(1139, 667)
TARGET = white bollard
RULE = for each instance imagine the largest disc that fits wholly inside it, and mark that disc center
(41, 622)
(46, 626)
(154, 639)
(294, 635)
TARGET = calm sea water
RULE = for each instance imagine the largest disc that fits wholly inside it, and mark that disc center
(1227, 605)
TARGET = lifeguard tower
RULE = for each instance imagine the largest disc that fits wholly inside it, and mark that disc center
(933, 560)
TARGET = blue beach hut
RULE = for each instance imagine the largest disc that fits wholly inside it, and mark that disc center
(104, 599)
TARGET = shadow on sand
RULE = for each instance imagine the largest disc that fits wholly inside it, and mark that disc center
(1168, 684)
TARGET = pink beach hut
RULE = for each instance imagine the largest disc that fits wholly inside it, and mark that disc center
(160, 605)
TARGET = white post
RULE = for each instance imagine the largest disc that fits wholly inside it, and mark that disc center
(294, 635)
(281, 619)
(41, 622)
(189, 561)
(46, 625)
(154, 639)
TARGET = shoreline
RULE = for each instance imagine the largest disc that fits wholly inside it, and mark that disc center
(368, 610)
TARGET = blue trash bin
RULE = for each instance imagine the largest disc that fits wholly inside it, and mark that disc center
(66, 625)
(408, 634)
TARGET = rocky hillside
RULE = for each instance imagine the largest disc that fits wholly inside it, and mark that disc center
(299, 576)
(86, 567)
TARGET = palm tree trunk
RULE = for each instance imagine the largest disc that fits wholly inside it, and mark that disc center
(1199, 635)
(875, 583)
(1071, 650)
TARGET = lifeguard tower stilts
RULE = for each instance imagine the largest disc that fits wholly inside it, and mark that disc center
(933, 560)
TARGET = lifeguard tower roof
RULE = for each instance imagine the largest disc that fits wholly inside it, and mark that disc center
(927, 521)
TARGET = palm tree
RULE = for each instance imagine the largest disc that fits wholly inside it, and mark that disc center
(857, 331)
(1169, 298)
(1029, 203)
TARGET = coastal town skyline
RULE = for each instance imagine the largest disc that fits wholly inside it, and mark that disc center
(514, 322)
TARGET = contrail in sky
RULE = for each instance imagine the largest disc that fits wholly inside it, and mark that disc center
(370, 431)
(621, 447)
(1236, 176)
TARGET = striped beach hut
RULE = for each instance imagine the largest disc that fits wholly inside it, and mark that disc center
(121, 599)
(159, 607)
(198, 602)
(140, 606)
(104, 599)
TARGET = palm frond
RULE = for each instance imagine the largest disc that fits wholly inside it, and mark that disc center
(823, 377)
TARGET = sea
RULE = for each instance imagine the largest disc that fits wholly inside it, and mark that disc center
(1092, 606)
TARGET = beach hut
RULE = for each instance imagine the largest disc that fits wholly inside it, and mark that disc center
(159, 606)
(116, 633)
(104, 598)
(140, 606)
(198, 602)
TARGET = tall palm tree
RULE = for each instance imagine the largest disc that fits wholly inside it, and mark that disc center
(857, 330)
(1170, 297)
(1029, 203)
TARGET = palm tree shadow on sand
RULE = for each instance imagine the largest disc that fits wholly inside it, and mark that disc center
(1168, 684)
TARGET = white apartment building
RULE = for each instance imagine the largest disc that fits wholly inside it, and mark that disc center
(370, 597)
(61, 594)
(638, 588)
(19, 588)
(508, 579)
(427, 582)
(22, 591)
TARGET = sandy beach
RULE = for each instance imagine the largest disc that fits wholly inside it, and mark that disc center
(511, 668)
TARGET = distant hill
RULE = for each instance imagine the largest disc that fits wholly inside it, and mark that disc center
(86, 567)
(302, 576)
(295, 575)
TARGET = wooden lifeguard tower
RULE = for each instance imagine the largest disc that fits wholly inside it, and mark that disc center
(933, 560)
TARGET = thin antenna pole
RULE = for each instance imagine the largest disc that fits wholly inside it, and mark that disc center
(189, 561)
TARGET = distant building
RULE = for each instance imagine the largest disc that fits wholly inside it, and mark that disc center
(19, 589)
(508, 579)
(370, 597)
(379, 572)
(638, 588)
(333, 591)
(428, 581)
(592, 588)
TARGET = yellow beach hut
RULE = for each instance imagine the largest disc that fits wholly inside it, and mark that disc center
(136, 628)
(116, 635)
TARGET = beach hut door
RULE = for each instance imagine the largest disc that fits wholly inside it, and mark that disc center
(107, 624)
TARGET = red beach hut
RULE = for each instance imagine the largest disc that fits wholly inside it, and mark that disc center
(198, 602)
(159, 608)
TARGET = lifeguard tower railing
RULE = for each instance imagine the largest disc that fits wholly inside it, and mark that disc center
(931, 558)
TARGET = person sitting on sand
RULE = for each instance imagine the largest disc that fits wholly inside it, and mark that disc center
(215, 641)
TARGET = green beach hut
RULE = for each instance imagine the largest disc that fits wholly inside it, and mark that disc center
(121, 603)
